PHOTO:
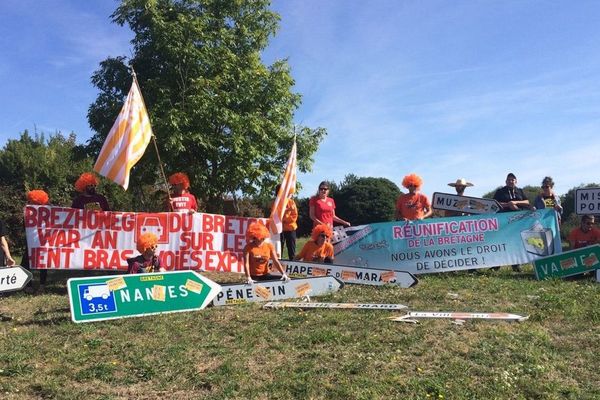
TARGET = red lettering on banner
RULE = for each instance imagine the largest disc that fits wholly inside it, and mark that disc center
(234, 243)
(59, 238)
(30, 217)
(179, 222)
(106, 259)
(45, 258)
(213, 223)
(105, 240)
(215, 261)
(197, 241)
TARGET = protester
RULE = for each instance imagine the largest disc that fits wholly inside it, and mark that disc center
(460, 185)
(147, 261)
(181, 199)
(511, 198)
(322, 208)
(289, 225)
(319, 249)
(5, 257)
(548, 199)
(412, 205)
(88, 199)
(584, 235)
(257, 254)
(39, 198)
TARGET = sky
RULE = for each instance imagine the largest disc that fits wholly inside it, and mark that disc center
(443, 89)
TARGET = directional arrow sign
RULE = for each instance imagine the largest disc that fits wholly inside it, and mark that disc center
(347, 274)
(344, 306)
(465, 204)
(569, 263)
(13, 278)
(121, 296)
(458, 315)
(277, 290)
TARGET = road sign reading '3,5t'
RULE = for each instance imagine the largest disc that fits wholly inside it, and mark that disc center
(120, 296)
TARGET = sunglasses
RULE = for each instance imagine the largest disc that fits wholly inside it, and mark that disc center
(323, 189)
(323, 235)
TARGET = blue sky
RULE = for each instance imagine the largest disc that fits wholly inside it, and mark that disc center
(445, 89)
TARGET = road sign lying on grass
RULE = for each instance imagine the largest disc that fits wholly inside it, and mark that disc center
(458, 316)
(573, 262)
(465, 204)
(120, 296)
(13, 278)
(277, 290)
(348, 274)
(344, 306)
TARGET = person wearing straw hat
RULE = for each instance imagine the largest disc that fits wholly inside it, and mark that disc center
(460, 185)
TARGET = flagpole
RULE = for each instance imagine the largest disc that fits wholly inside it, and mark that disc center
(162, 171)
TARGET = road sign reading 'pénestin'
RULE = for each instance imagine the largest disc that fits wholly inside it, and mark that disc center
(121, 296)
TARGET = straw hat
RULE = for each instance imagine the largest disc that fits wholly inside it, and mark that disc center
(460, 182)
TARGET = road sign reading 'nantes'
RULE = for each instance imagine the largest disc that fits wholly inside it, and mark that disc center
(121, 296)
(348, 274)
(13, 278)
(465, 204)
(569, 263)
(277, 290)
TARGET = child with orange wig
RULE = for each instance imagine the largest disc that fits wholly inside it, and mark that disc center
(147, 261)
(412, 205)
(319, 248)
(88, 199)
(181, 199)
(257, 254)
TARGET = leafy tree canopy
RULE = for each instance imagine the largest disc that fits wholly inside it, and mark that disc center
(366, 200)
(218, 113)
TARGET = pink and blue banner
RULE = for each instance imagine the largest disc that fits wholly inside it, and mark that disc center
(452, 244)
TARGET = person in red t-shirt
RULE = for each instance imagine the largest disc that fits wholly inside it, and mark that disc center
(181, 199)
(586, 234)
(257, 254)
(319, 249)
(412, 205)
(321, 208)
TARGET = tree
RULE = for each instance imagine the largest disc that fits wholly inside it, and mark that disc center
(218, 113)
(366, 200)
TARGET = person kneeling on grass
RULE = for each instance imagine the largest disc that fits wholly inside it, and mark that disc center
(319, 249)
(147, 261)
(257, 254)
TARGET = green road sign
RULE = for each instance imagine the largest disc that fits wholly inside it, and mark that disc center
(121, 296)
(569, 263)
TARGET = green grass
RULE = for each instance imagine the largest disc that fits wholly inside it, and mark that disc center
(246, 352)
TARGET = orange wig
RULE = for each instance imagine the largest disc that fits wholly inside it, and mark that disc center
(37, 197)
(146, 241)
(412, 179)
(257, 230)
(319, 229)
(180, 177)
(86, 179)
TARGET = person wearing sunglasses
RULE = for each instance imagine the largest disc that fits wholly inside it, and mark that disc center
(88, 199)
(586, 234)
(147, 261)
(319, 248)
(548, 199)
(257, 255)
(413, 205)
(321, 208)
(181, 199)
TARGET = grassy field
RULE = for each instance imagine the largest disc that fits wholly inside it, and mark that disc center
(245, 352)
